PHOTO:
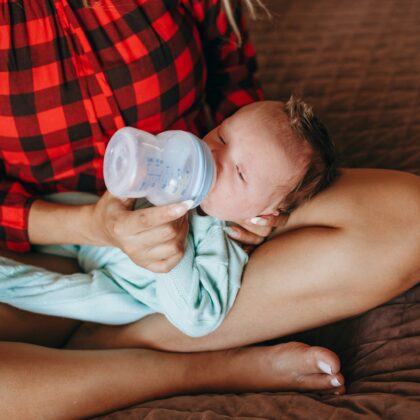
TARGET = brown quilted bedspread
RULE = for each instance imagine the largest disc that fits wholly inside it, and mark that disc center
(358, 63)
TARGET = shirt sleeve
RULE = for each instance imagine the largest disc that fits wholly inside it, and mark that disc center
(15, 202)
(198, 293)
(231, 65)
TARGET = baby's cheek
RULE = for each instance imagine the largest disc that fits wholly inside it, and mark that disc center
(226, 208)
(212, 206)
(215, 206)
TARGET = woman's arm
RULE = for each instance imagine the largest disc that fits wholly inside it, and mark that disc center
(153, 238)
(53, 223)
(15, 201)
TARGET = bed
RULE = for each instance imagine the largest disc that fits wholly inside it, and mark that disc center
(358, 63)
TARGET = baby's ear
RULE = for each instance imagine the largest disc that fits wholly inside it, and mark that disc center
(270, 212)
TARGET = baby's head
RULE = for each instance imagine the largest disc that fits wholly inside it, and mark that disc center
(270, 156)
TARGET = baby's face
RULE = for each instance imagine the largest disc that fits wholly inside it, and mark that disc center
(254, 172)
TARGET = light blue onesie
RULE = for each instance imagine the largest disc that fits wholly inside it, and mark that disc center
(195, 296)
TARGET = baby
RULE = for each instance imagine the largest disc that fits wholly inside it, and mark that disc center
(270, 157)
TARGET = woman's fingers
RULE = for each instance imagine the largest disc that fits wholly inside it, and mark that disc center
(136, 221)
(164, 266)
(269, 220)
(173, 252)
(161, 248)
(253, 231)
(244, 236)
(149, 236)
(161, 242)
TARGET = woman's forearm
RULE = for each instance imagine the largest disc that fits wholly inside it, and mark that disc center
(152, 237)
(52, 223)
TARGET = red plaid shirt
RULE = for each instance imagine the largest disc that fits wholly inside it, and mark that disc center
(70, 76)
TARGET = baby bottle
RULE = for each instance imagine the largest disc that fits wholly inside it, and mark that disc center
(170, 167)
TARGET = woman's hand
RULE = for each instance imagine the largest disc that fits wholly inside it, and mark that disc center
(252, 232)
(154, 238)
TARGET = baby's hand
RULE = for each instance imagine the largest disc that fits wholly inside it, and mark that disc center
(254, 231)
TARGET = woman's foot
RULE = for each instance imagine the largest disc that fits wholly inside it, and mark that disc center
(285, 367)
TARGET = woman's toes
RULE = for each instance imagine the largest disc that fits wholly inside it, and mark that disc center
(290, 366)
(322, 370)
(339, 391)
(321, 381)
(336, 380)
(325, 367)
(335, 391)
(325, 360)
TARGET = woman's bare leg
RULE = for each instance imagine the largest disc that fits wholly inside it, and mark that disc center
(40, 382)
(17, 325)
(353, 247)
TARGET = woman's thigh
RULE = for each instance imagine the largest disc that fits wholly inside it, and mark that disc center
(353, 247)
(27, 327)
(346, 251)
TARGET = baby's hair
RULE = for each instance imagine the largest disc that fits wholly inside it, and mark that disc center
(322, 168)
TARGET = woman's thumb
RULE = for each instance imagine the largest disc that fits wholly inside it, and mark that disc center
(122, 203)
(128, 203)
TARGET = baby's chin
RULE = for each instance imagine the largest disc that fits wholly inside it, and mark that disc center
(208, 210)
(214, 211)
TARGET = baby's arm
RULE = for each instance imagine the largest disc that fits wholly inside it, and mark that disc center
(198, 293)
(91, 296)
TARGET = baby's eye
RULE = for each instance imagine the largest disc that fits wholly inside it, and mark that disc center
(221, 139)
(240, 174)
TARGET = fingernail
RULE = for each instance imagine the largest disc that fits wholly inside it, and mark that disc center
(231, 232)
(259, 221)
(336, 393)
(188, 203)
(180, 208)
(325, 367)
(335, 382)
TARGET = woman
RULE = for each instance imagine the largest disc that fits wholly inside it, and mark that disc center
(71, 75)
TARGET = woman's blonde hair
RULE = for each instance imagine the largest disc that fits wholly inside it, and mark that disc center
(251, 5)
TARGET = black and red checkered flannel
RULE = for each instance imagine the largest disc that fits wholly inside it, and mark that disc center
(71, 75)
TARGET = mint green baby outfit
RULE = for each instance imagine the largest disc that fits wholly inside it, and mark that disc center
(195, 296)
